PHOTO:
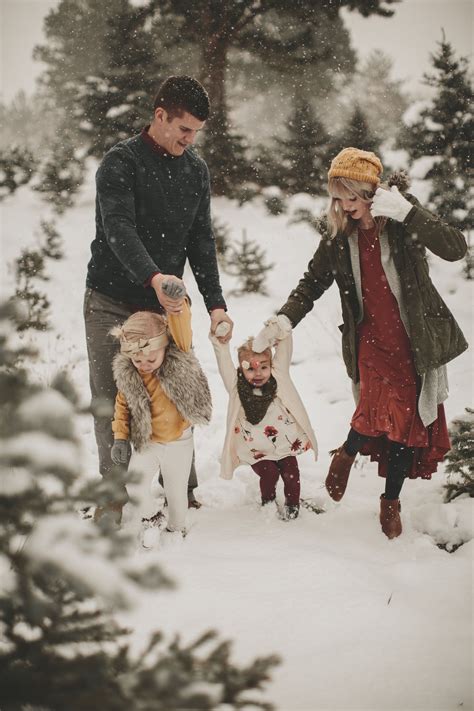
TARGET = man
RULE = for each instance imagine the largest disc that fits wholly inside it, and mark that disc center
(152, 213)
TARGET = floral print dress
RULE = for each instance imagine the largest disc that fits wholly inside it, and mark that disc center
(275, 437)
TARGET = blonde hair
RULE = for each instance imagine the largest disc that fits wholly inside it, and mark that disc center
(246, 349)
(339, 188)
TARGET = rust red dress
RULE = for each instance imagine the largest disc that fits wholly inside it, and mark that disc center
(389, 385)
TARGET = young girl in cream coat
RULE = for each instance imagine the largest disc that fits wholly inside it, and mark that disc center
(267, 424)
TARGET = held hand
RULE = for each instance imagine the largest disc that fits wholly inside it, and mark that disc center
(218, 317)
(120, 452)
(275, 329)
(174, 290)
(390, 203)
(163, 284)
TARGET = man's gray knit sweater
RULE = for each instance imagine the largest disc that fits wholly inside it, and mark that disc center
(152, 211)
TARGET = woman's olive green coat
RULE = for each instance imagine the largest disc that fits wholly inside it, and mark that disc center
(434, 334)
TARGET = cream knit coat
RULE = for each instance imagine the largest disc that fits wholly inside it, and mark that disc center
(286, 391)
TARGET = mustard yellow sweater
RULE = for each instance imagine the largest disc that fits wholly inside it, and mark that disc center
(167, 423)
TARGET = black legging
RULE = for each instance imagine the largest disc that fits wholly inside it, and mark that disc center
(400, 458)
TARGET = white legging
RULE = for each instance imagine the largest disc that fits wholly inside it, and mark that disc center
(173, 460)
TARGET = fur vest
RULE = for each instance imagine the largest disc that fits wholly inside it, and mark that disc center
(183, 382)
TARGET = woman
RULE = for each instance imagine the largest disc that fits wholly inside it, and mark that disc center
(397, 334)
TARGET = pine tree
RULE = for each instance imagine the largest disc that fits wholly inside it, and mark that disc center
(460, 458)
(224, 150)
(117, 99)
(31, 266)
(356, 133)
(94, 56)
(247, 262)
(17, 114)
(61, 579)
(303, 154)
(17, 167)
(382, 97)
(445, 132)
(60, 175)
(221, 234)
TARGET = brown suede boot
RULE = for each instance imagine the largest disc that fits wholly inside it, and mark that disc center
(390, 517)
(338, 475)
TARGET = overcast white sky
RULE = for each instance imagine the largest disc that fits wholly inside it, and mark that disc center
(408, 37)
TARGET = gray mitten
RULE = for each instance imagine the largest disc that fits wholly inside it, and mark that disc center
(173, 290)
(120, 451)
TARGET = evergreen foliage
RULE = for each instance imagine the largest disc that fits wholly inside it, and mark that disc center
(31, 266)
(225, 153)
(469, 260)
(380, 97)
(246, 261)
(265, 166)
(460, 458)
(60, 175)
(17, 167)
(303, 153)
(221, 233)
(356, 133)
(117, 99)
(106, 91)
(17, 114)
(104, 67)
(444, 131)
(274, 204)
(61, 578)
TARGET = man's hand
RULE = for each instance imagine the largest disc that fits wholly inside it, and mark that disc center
(220, 316)
(174, 285)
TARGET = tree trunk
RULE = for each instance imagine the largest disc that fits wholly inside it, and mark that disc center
(217, 139)
(213, 66)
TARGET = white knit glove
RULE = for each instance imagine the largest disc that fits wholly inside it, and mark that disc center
(275, 329)
(390, 203)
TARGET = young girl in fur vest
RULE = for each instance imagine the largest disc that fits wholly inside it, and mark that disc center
(267, 424)
(162, 392)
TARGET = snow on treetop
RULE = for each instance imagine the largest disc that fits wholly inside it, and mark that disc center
(45, 403)
(42, 451)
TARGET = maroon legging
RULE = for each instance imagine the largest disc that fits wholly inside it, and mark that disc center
(269, 471)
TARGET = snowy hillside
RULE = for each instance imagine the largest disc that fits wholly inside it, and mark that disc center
(361, 623)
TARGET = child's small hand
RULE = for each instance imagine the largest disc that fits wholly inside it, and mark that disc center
(218, 317)
(120, 452)
(222, 329)
(275, 329)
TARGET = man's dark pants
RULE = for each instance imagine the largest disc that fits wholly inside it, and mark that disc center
(101, 313)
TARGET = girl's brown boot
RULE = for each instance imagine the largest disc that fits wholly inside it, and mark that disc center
(338, 475)
(390, 517)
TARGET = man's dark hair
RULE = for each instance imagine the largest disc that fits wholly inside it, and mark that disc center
(183, 93)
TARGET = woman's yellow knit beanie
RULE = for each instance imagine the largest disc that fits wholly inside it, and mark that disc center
(356, 164)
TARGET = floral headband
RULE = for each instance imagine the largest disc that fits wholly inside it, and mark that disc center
(253, 363)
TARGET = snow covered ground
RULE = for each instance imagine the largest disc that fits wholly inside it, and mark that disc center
(360, 622)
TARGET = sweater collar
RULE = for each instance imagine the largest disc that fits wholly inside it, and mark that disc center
(156, 148)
